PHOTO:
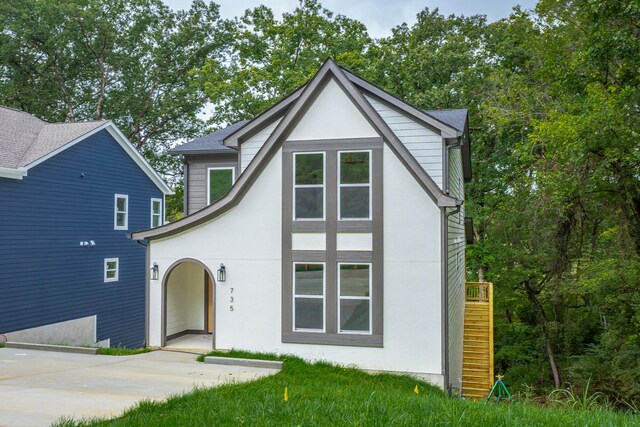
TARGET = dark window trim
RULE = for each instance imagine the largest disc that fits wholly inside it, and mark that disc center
(331, 226)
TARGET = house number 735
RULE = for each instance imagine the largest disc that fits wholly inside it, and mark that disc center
(231, 301)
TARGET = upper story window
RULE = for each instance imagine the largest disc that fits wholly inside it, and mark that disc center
(354, 185)
(309, 186)
(121, 212)
(156, 212)
(219, 182)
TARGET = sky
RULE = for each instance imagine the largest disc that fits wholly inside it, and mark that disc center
(379, 16)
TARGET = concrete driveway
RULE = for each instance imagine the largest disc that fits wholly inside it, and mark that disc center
(39, 387)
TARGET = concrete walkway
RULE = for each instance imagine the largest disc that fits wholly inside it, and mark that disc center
(39, 387)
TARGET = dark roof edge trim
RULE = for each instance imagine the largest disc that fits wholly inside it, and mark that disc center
(419, 115)
(254, 126)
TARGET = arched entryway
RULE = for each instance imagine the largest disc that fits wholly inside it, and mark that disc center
(189, 301)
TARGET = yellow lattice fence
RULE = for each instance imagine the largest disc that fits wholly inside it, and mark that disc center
(477, 361)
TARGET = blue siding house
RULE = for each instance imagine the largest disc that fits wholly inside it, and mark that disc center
(69, 195)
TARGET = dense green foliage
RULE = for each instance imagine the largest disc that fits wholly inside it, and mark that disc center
(321, 394)
(554, 106)
(123, 60)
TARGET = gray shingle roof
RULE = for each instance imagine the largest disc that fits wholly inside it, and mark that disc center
(211, 143)
(25, 139)
(454, 118)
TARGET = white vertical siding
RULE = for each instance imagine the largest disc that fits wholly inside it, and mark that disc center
(456, 271)
(250, 147)
(424, 144)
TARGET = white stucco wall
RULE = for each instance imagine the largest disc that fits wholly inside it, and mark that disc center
(248, 239)
(332, 116)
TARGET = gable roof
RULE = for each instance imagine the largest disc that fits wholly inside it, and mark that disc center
(211, 143)
(293, 112)
(24, 138)
(26, 141)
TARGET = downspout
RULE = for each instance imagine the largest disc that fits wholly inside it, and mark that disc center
(445, 172)
(185, 180)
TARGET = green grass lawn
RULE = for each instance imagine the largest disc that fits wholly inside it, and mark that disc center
(321, 394)
(121, 351)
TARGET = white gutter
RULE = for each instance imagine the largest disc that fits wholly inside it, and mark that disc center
(11, 173)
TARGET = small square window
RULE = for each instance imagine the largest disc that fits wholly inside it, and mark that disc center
(121, 212)
(111, 267)
(220, 181)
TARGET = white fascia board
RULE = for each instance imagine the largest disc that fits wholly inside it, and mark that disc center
(138, 158)
(13, 173)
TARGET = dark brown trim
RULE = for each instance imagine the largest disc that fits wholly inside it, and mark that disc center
(308, 226)
(402, 106)
(359, 226)
(263, 120)
(186, 332)
(331, 256)
(355, 257)
(353, 340)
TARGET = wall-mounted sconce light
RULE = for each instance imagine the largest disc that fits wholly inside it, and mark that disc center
(222, 273)
(155, 271)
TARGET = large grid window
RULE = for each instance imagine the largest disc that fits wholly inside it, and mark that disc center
(309, 186)
(354, 311)
(354, 185)
(308, 297)
(156, 212)
(219, 182)
(121, 212)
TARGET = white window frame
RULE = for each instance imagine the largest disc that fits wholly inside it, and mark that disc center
(340, 185)
(323, 296)
(116, 212)
(117, 269)
(233, 178)
(323, 185)
(159, 215)
(340, 298)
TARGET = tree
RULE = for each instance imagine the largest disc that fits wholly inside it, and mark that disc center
(125, 60)
(271, 58)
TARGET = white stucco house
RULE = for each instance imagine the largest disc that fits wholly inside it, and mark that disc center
(342, 233)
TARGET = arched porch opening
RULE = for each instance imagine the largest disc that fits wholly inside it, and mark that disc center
(188, 319)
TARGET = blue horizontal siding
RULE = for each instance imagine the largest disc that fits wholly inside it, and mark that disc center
(45, 275)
